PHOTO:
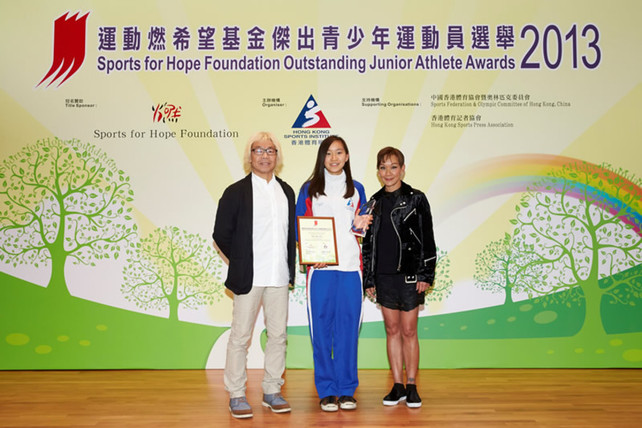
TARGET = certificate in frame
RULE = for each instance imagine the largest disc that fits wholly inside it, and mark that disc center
(317, 241)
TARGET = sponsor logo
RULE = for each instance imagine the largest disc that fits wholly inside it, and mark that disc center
(68, 48)
(166, 112)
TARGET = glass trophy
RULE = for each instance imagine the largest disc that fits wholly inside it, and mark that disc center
(359, 224)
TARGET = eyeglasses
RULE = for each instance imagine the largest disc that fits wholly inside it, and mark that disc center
(270, 151)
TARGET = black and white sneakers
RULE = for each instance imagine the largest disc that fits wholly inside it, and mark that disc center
(399, 393)
(412, 396)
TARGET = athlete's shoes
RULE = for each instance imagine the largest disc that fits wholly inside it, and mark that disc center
(329, 404)
(347, 402)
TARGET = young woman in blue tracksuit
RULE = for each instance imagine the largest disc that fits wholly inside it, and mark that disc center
(334, 292)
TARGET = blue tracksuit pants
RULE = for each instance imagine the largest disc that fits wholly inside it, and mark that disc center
(334, 314)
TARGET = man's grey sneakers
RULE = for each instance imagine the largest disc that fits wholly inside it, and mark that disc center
(276, 403)
(397, 394)
(240, 408)
(412, 396)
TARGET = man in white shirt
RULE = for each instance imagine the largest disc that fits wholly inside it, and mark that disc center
(254, 229)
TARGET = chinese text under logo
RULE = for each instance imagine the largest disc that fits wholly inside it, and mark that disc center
(69, 47)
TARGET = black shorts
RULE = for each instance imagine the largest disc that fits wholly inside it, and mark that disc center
(393, 292)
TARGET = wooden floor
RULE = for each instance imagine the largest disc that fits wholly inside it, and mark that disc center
(196, 398)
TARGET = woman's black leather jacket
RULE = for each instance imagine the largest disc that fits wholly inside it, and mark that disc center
(412, 222)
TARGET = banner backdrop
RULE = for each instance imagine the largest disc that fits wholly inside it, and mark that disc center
(123, 122)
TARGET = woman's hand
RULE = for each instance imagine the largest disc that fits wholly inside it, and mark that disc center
(319, 265)
(371, 291)
(424, 286)
(362, 221)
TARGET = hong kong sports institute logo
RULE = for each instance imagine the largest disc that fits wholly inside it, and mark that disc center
(68, 48)
(311, 116)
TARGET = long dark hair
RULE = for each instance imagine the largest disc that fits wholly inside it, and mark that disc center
(317, 178)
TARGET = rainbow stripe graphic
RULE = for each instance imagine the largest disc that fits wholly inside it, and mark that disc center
(518, 173)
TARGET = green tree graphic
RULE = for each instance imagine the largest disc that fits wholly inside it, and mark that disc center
(60, 200)
(173, 268)
(442, 286)
(583, 236)
(298, 293)
(508, 266)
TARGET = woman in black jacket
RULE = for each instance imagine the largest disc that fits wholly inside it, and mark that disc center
(399, 257)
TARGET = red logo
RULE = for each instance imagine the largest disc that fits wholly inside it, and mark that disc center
(166, 112)
(69, 47)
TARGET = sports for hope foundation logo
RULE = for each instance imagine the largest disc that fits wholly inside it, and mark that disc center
(68, 47)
